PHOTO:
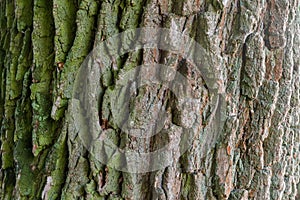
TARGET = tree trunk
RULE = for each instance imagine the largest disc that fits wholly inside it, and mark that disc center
(241, 132)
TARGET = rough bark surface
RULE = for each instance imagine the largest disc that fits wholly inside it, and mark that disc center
(254, 47)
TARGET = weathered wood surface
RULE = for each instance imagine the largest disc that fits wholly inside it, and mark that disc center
(254, 48)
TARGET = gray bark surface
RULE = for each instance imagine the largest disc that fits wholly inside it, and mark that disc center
(253, 48)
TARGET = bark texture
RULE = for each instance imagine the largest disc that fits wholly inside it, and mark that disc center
(254, 48)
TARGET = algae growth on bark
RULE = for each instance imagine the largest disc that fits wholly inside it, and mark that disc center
(253, 47)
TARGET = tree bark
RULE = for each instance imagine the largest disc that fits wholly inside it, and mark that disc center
(253, 47)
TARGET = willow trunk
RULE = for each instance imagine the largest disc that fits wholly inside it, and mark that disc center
(252, 45)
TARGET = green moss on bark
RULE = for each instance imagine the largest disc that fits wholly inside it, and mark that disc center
(85, 20)
(43, 57)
